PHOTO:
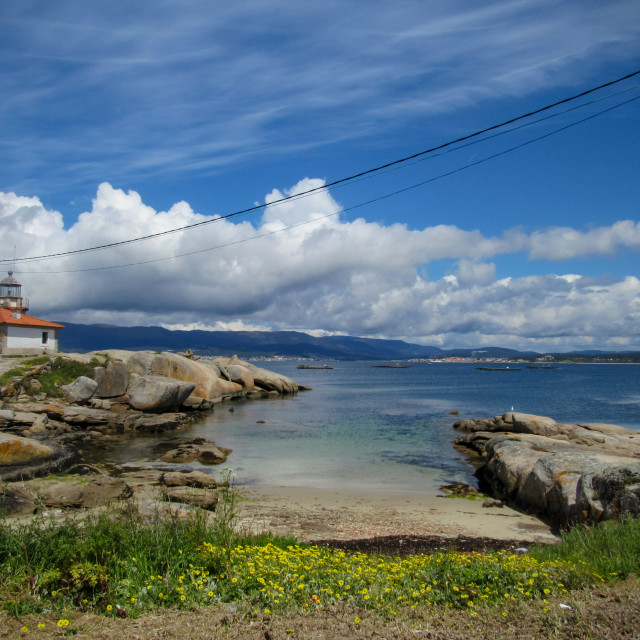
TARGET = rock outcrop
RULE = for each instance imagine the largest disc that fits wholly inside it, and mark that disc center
(99, 491)
(566, 472)
(129, 391)
(200, 449)
(158, 394)
(22, 457)
(80, 390)
(112, 380)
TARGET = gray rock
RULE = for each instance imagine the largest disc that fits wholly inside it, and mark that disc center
(16, 450)
(6, 415)
(460, 490)
(201, 449)
(112, 380)
(25, 457)
(156, 423)
(198, 479)
(100, 491)
(202, 498)
(609, 492)
(14, 501)
(87, 415)
(80, 390)
(241, 375)
(271, 381)
(158, 394)
(23, 417)
(569, 473)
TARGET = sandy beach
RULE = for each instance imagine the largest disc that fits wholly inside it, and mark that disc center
(318, 514)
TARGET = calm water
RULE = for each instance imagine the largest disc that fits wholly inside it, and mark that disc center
(370, 428)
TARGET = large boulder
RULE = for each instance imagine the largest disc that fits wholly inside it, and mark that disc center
(158, 394)
(99, 491)
(22, 458)
(202, 498)
(112, 380)
(566, 472)
(263, 378)
(15, 501)
(527, 423)
(15, 450)
(80, 390)
(240, 375)
(271, 381)
(204, 375)
(198, 479)
(609, 492)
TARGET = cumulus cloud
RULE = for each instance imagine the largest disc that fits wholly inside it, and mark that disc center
(301, 266)
(561, 243)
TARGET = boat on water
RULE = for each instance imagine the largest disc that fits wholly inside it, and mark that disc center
(391, 366)
(498, 369)
(312, 366)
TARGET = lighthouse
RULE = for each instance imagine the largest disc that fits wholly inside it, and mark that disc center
(19, 332)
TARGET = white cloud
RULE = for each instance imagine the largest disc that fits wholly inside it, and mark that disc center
(562, 243)
(353, 277)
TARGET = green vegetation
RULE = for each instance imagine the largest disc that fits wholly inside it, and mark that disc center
(121, 561)
(61, 372)
(21, 369)
(611, 549)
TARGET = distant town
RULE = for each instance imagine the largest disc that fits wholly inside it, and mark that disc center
(557, 358)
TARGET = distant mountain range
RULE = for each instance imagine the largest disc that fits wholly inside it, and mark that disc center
(94, 337)
(293, 344)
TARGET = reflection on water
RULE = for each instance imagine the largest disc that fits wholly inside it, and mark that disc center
(364, 427)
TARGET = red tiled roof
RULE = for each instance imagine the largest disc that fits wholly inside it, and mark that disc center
(25, 320)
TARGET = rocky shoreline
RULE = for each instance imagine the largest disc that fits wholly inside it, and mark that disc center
(121, 392)
(565, 473)
(561, 473)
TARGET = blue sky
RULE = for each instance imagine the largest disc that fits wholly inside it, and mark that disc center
(123, 119)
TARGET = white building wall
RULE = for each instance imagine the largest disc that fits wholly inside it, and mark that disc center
(29, 340)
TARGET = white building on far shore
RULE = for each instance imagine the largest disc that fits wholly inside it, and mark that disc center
(19, 332)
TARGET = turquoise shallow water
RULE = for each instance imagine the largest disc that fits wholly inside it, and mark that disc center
(375, 428)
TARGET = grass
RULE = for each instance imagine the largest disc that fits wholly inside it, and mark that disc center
(122, 563)
(20, 370)
(61, 372)
(610, 549)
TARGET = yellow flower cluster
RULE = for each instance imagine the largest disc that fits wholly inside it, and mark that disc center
(315, 577)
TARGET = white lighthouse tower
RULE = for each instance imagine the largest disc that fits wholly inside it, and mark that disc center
(19, 332)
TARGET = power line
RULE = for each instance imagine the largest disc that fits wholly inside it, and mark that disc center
(353, 207)
(340, 181)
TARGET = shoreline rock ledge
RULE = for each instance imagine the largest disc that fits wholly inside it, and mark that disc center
(119, 392)
(566, 473)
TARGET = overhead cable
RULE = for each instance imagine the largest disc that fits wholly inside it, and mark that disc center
(351, 208)
(333, 183)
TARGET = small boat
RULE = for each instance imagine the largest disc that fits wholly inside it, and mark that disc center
(391, 366)
(311, 366)
(498, 369)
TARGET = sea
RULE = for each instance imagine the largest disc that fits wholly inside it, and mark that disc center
(385, 428)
